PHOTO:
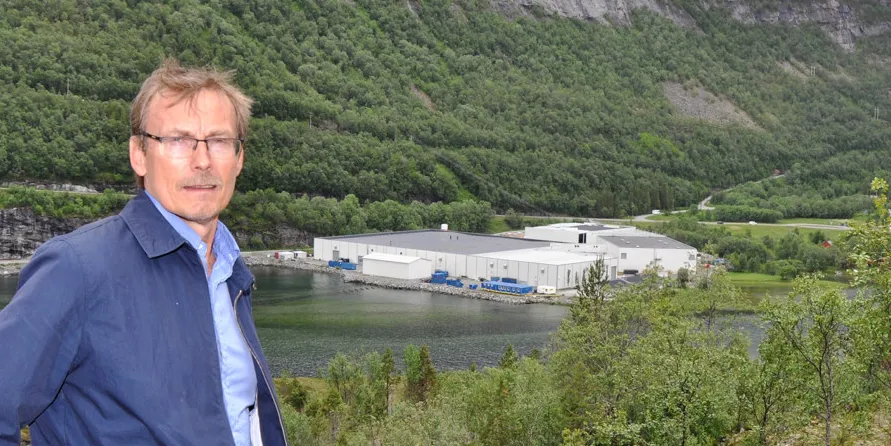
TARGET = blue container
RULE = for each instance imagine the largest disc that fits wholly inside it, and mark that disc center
(508, 280)
(473, 286)
(441, 271)
(440, 275)
(333, 263)
(455, 283)
(506, 287)
(495, 279)
(348, 266)
(438, 280)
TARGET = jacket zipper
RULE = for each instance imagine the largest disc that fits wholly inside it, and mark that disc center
(254, 355)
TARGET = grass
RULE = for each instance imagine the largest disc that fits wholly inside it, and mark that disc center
(758, 280)
(760, 230)
(818, 221)
(497, 224)
(662, 217)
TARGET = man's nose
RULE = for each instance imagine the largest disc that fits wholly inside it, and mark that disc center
(201, 156)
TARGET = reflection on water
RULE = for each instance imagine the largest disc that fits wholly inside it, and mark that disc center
(305, 318)
(7, 288)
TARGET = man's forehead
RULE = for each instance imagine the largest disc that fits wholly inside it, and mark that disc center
(202, 106)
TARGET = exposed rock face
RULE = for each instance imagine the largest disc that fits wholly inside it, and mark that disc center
(838, 19)
(22, 231)
(282, 236)
(604, 11)
(702, 104)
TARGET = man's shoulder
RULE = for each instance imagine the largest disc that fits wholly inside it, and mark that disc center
(106, 234)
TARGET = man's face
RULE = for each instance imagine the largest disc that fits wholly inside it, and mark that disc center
(196, 188)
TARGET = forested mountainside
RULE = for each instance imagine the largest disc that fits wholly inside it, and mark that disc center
(445, 100)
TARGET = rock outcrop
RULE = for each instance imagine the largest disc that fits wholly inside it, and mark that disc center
(22, 231)
(839, 19)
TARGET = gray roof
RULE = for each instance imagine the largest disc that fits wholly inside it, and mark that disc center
(594, 227)
(444, 241)
(644, 242)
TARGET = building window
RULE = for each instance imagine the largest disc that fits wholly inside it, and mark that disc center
(692, 257)
(623, 256)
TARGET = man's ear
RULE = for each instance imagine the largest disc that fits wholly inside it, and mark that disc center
(137, 156)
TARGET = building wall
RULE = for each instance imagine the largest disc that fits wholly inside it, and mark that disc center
(418, 269)
(459, 265)
(670, 260)
(552, 234)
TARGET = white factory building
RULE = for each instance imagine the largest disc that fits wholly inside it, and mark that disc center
(641, 252)
(581, 233)
(473, 256)
(634, 249)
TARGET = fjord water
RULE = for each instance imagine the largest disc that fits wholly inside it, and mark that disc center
(305, 318)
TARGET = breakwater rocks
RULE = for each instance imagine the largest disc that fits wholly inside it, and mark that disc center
(11, 269)
(401, 284)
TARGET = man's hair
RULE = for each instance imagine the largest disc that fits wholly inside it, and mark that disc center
(186, 83)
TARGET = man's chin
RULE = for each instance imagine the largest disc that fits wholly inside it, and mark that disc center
(199, 217)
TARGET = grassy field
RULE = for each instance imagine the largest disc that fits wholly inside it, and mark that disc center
(760, 230)
(758, 280)
(822, 221)
(497, 225)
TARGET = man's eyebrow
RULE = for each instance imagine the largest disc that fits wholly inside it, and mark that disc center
(219, 134)
(212, 134)
(179, 132)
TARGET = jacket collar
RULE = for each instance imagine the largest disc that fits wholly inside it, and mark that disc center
(241, 279)
(152, 231)
(157, 237)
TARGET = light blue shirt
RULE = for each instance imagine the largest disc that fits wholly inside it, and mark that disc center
(236, 365)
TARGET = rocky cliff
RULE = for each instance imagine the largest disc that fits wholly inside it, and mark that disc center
(838, 18)
(22, 231)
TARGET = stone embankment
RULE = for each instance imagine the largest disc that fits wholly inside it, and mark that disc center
(11, 268)
(401, 284)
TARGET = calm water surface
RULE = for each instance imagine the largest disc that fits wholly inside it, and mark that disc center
(305, 318)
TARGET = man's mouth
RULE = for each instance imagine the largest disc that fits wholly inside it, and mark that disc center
(201, 187)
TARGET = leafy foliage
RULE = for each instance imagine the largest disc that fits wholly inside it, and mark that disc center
(438, 101)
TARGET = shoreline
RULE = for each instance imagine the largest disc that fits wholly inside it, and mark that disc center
(401, 284)
(13, 267)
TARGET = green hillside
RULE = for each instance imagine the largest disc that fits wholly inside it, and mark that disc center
(437, 100)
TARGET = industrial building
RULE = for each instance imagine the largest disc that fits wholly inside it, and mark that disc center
(474, 256)
(582, 233)
(634, 249)
(399, 267)
(639, 253)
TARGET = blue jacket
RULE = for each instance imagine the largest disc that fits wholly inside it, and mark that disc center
(109, 340)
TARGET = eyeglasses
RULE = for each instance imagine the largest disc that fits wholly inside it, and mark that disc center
(184, 146)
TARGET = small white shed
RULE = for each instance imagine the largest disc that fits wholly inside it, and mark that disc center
(396, 266)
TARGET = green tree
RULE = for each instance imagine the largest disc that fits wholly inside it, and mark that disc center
(509, 358)
(813, 323)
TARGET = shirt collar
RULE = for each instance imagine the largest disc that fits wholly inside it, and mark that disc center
(224, 245)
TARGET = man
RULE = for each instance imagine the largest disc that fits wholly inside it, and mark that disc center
(137, 329)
